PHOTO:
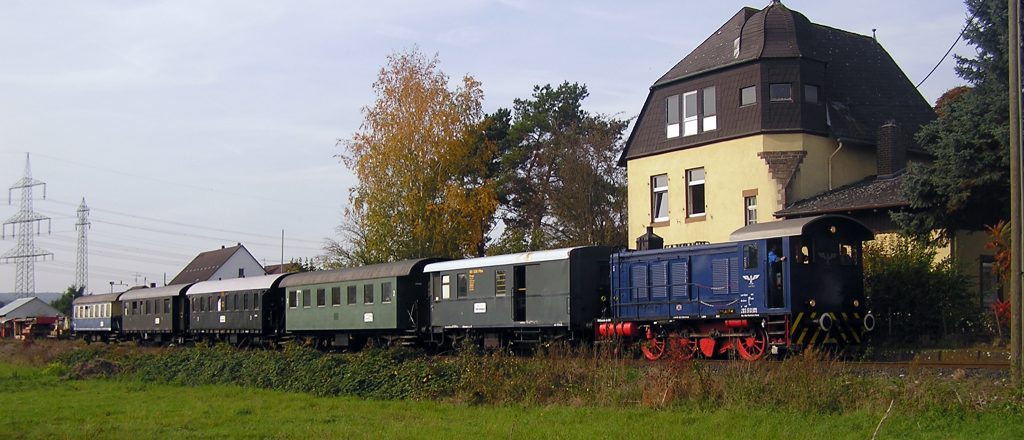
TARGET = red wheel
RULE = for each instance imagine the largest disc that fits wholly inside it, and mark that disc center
(653, 348)
(683, 348)
(752, 347)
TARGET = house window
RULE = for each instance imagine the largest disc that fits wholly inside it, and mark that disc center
(241, 272)
(321, 297)
(710, 121)
(306, 301)
(748, 96)
(659, 198)
(385, 292)
(695, 192)
(750, 203)
(336, 296)
(446, 286)
(350, 293)
(460, 288)
(500, 283)
(810, 94)
(690, 113)
(781, 92)
(367, 293)
(672, 116)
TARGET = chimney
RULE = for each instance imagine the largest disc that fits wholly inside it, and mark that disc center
(892, 151)
(649, 241)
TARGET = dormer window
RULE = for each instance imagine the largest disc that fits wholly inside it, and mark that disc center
(780, 92)
(710, 121)
(672, 116)
(736, 48)
(810, 94)
(748, 96)
(690, 113)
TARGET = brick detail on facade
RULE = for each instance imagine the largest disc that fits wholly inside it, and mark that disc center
(782, 165)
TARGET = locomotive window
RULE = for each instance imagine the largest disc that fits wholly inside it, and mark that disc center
(499, 283)
(849, 255)
(306, 301)
(367, 293)
(335, 296)
(750, 256)
(460, 287)
(321, 297)
(350, 291)
(385, 292)
(293, 298)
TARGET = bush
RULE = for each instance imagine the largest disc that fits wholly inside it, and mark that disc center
(916, 297)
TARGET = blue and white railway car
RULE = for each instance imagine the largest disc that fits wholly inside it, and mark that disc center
(97, 317)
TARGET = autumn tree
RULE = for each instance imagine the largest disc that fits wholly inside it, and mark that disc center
(558, 183)
(421, 166)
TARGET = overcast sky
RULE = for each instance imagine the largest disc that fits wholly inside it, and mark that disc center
(188, 125)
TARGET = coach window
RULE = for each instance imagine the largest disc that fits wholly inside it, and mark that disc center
(460, 287)
(321, 297)
(135, 307)
(336, 296)
(293, 299)
(255, 301)
(221, 303)
(156, 306)
(750, 256)
(350, 292)
(367, 293)
(446, 287)
(500, 283)
(245, 301)
(209, 303)
(167, 305)
(306, 301)
(385, 292)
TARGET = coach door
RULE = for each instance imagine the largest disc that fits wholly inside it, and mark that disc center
(519, 293)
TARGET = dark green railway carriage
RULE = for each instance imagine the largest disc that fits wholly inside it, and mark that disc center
(526, 297)
(346, 307)
(156, 314)
(240, 310)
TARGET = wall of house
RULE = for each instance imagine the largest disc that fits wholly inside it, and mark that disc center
(733, 169)
(240, 259)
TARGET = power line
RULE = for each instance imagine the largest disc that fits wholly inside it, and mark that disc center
(969, 21)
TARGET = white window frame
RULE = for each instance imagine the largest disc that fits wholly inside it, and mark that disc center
(690, 126)
(446, 287)
(710, 120)
(750, 210)
(655, 191)
(672, 124)
(691, 184)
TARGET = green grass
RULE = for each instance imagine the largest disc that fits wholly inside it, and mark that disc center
(36, 403)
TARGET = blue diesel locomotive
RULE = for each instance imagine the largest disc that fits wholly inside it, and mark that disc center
(777, 286)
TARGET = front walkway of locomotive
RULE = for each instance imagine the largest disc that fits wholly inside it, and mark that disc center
(774, 288)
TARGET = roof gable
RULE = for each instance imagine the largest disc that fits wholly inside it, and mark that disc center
(204, 265)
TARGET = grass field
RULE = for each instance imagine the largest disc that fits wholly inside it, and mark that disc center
(35, 403)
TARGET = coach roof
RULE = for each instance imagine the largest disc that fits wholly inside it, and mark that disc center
(385, 270)
(236, 284)
(503, 260)
(154, 292)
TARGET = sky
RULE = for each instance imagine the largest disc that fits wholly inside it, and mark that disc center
(188, 125)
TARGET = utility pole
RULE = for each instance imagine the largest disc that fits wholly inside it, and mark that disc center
(25, 224)
(1017, 240)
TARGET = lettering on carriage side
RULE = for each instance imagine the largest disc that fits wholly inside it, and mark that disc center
(472, 281)
(479, 307)
(156, 320)
(748, 310)
(368, 317)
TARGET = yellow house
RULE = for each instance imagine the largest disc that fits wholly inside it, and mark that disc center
(774, 117)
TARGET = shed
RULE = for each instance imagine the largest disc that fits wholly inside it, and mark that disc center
(22, 311)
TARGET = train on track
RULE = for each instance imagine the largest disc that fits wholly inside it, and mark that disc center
(773, 288)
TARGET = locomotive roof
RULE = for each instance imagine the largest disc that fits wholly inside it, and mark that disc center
(384, 270)
(236, 284)
(796, 226)
(503, 260)
(154, 292)
(95, 299)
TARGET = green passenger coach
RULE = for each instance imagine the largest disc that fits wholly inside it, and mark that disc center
(386, 303)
